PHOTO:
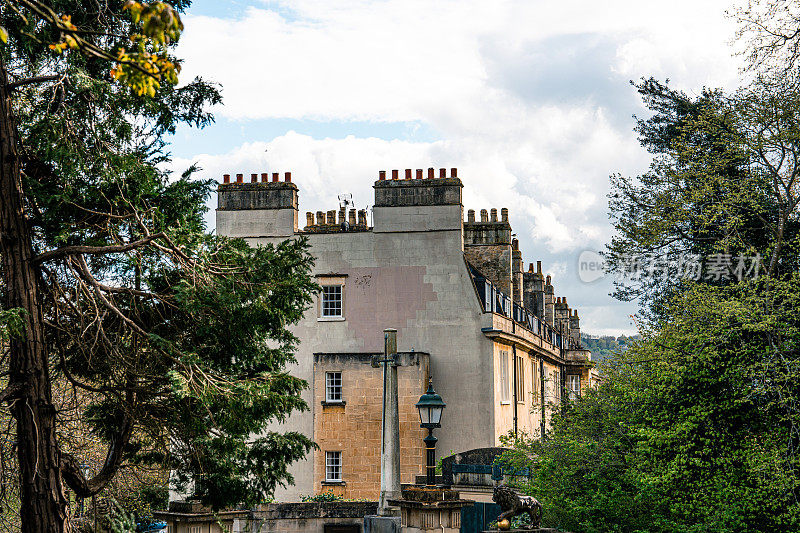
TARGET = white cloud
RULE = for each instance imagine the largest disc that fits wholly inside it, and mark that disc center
(530, 99)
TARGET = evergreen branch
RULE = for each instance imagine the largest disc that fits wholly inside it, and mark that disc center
(97, 250)
(74, 477)
(34, 79)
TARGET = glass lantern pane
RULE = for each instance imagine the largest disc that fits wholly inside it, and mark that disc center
(436, 414)
(424, 415)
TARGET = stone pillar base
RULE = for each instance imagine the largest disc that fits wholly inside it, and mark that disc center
(381, 524)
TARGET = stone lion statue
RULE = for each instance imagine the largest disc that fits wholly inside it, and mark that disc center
(513, 505)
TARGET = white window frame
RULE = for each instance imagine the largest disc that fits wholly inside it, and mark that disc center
(326, 291)
(505, 383)
(333, 385)
(333, 466)
(327, 282)
(574, 386)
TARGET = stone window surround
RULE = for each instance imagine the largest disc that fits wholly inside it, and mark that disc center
(328, 280)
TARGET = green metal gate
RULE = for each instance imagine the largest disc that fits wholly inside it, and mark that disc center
(476, 518)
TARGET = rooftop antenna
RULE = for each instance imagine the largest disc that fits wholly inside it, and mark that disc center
(345, 201)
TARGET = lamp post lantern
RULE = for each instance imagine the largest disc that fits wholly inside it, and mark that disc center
(430, 406)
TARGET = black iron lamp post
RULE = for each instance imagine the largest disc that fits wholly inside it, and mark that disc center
(430, 406)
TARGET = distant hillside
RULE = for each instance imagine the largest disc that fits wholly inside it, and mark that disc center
(606, 345)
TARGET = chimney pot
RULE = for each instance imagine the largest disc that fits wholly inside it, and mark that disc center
(288, 177)
(226, 178)
(514, 244)
(453, 172)
(530, 267)
(494, 214)
(342, 215)
(362, 217)
(382, 175)
(320, 218)
(239, 178)
(484, 215)
(431, 173)
(275, 176)
(419, 173)
(471, 215)
(548, 279)
(351, 217)
(504, 214)
(408, 173)
(539, 267)
(442, 172)
(309, 218)
(331, 217)
(394, 174)
(264, 177)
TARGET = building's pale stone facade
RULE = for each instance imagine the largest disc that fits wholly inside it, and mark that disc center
(498, 345)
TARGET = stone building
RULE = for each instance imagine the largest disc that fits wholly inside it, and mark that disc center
(501, 347)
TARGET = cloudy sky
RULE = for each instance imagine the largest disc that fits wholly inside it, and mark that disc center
(529, 99)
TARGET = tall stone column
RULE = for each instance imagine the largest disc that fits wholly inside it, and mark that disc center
(390, 428)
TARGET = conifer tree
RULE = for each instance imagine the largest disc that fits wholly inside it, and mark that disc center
(177, 340)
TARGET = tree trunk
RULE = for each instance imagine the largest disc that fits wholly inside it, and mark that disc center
(43, 503)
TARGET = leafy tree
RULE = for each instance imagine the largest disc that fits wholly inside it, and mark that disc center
(711, 188)
(687, 432)
(175, 341)
(768, 30)
(695, 425)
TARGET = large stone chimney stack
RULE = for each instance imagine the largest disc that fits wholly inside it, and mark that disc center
(562, 314)
(549, 302)
(517, 268)
(257, 208)
(488, 246)
(417, 204)
(575, 330)
(533, 290)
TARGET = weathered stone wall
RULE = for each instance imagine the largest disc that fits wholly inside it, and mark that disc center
(488, 247)
(494, 262)
(309, 517)
(354, 427)
(238, 196)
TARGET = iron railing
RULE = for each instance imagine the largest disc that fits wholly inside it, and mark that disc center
(496, 301)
